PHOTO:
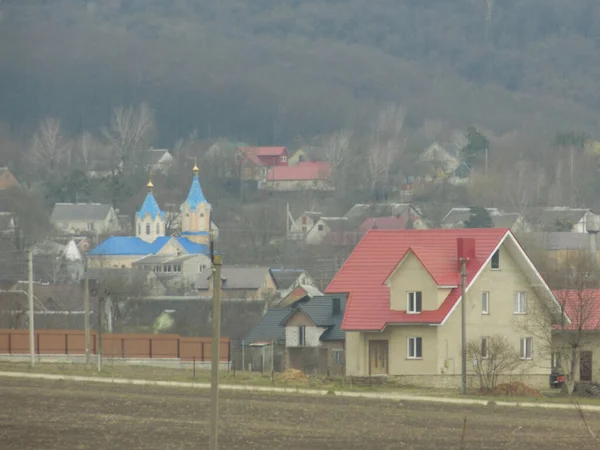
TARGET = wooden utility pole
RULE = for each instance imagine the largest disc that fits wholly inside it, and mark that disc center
(100, 314)
(463, 328)
(216, 341)
(31, 312)
(86, 316)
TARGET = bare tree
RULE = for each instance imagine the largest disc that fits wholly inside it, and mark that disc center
(492, 357)
(49, 147)
(386, 144)
(571, 313)
(338, 153)
(130, 132)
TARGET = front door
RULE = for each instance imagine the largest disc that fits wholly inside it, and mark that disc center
(585, 366)
(378, 357)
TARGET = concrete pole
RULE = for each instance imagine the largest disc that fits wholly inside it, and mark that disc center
(463, 321)
(100, 314)
(216, 338)
(31, 312)
(86, 316)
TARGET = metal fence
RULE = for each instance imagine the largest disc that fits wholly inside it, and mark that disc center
(139, 346)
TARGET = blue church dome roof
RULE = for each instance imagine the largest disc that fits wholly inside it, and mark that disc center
(195, 196)
(150, 207)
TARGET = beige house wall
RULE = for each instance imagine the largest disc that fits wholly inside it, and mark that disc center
(253, 294)
(113, 261)
(411, 276)
(297, 185)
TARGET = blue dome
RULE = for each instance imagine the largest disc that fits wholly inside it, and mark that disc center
(195, 196)
(150, 207)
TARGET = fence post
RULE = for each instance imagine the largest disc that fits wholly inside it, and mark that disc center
(228, 355)
(38, 343)
(150, 347)
(66, 343)
(94, 344)
(179, 348)
(9, 343)
(202, 351)
(194, 367)
(123, 348)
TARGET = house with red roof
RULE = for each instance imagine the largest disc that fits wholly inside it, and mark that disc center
(403, 317)
(303, 176)
(255, 161)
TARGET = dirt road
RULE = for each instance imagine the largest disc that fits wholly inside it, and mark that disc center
(64, 415)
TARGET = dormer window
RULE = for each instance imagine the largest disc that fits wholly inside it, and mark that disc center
(496, 260)
(414, 302)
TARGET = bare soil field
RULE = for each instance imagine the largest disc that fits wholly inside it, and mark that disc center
(74, 415)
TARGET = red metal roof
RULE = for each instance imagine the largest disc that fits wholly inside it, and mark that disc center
(375, 257)
(303, 171)
(582, 307)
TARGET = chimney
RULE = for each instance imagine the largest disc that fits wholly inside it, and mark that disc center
(592, 226)
(336, 307)
(465, 248)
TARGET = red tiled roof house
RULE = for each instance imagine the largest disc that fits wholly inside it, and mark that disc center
(299, 177)
(403, 316)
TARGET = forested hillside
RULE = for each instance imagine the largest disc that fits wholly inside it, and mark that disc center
(271, 71)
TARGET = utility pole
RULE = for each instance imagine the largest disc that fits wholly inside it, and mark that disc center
(100, 314)
(86, 316)
(463, 321)
(31, 312)
(216, 338)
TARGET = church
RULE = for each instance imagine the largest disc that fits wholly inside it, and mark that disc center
(150, 239)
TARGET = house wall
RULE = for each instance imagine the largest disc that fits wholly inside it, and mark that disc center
(99, 226)
(502, 285)
(296, 185)
(119, 261)
(298, 156)
(316, 236)
(590, 341)
(299, 229)
(312, 336)
(411, 276)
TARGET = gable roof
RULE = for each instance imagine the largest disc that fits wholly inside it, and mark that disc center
(235, 278)
(132, 245)
(265, 151)
(320, 310)
(379, 252)
(285, 278)
(7, 179)
(304, 171)
(157, 156)
(65, 212)
(361, 211)
(581, 306)
(547, 217)
(458, 216)
(269, 329)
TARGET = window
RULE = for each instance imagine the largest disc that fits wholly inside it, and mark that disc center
(520, 303)
(139, 228)
(496, 260)
(484, 349)
(526, 348)
(301, 336)
(415, 348)
(158, 228)
(414, 303)
(485, 302)
(147, 228)
(91, 226)
(284, 159)
(320, 227)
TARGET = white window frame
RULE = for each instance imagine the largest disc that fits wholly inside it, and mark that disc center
(520, 302)
(526, 348)
(411, 300)
(411, 347)
(497, 252)
(484, 347)
(485, 302)
(284, 158)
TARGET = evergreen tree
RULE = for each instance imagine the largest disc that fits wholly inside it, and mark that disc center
(479, 218)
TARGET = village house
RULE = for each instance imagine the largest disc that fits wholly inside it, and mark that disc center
(158, 160)
(287, 280)
(304, 176)
(457, 217)
(299, 227)
(403, 315)
(305, 154)
(7, 179)
(309, 331)
(73, 218)
(439, 162)
(239, 282)
(560, 218)
(254, 162)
